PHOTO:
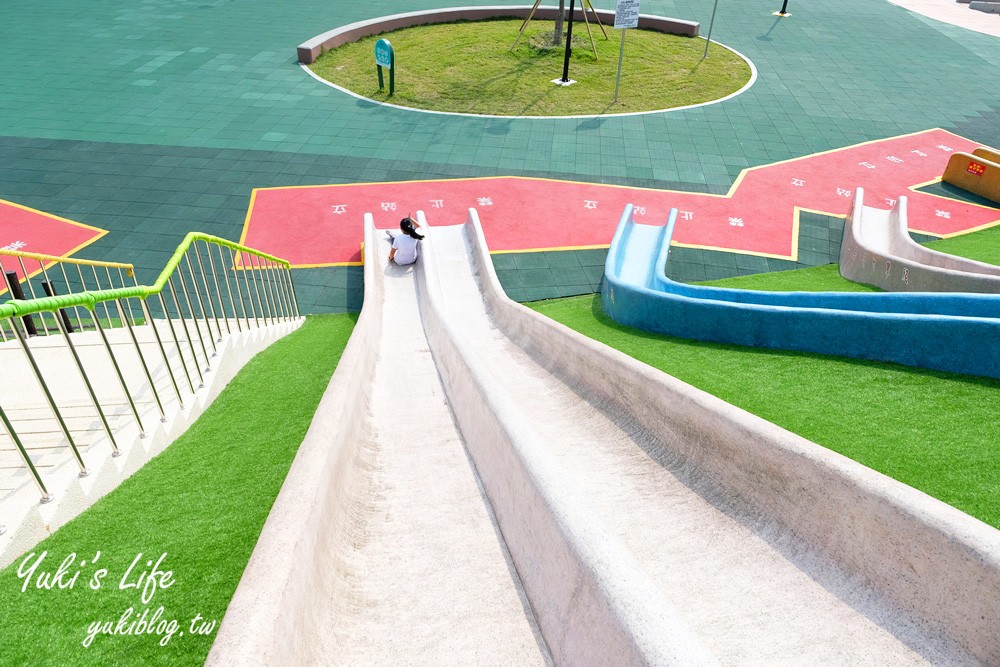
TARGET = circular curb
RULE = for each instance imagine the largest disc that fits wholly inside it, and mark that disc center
(310, 50)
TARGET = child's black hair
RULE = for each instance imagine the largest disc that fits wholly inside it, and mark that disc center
(409, 228)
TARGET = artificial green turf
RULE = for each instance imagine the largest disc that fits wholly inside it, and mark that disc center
(203, 502)
(937, 432)
(469, 67)
(824, 278)
(983, 245)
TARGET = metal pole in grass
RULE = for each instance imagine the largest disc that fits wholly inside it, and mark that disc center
(711, 23)
(569, 44)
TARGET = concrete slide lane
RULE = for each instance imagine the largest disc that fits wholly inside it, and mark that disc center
(482, 485)
(425, 576)
(752, 592)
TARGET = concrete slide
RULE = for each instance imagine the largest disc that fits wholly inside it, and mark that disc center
(482, 485)
(877, 250)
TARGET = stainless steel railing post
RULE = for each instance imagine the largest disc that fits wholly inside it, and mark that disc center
(52, 288)
(197, 296)
(51, 401)
(163, 352)
(121, 279)
(194, 318)
(269, 288)
(69, 290)
(265, 304)
(208, 290)
(246, 280)
(187, 334)
(107, 312)
(31, 288)
(90, 388)
(118, 372)
(279, 284)
(142, 362)
(276, 276)
(229, 290)
(295, 299)
(218, 289)
(177, 343)
(46, 497)
(239, 290)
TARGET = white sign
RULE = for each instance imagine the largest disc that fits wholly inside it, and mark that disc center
(627, 14)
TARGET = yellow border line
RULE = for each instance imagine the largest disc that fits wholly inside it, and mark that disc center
(794, 251)
(970, 230)
(54, 217)
(101, 233)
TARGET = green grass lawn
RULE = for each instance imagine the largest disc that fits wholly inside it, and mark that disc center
(203, 502)
(824, 278)
(937, 432)
(983, 246)
(469, 67)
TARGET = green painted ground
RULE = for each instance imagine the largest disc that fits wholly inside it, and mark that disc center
(934, 431)
(470, 67)
(167, 112)
(202, 502)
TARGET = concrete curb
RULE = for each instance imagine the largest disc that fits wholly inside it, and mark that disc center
(311, 49)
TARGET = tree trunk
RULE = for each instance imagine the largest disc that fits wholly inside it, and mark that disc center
(558, 32)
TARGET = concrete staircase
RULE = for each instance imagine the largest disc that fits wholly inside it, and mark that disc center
(27, 520)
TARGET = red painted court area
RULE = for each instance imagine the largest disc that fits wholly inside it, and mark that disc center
(322, 225)
(23, 228)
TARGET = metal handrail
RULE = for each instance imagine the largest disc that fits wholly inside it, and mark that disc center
(40, 257)
(48, 262)
(275, 302)
(89, 300)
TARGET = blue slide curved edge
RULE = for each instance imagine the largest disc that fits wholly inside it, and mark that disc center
(952, 332)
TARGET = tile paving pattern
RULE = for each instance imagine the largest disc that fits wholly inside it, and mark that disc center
(154, 118)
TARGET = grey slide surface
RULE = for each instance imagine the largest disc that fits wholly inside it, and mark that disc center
(483, 485)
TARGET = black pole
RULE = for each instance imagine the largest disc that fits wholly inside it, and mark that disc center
(51, 291)
(569, 42)
(784, 7)
(15, 291)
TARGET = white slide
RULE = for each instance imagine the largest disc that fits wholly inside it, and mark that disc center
(877, 250)
(482, 485)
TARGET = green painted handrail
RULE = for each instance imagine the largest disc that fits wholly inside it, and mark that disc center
(89, 300)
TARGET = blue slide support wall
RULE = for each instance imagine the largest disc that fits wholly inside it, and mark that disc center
(950, 332)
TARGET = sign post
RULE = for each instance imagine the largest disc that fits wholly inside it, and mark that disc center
(385, 57)
(708, 40)
(626, 16)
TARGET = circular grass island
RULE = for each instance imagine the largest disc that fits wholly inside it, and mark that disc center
(469, 67)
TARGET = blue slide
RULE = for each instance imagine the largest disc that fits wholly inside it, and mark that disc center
(950, 332)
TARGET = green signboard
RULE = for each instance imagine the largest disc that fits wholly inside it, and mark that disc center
(385, 57)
